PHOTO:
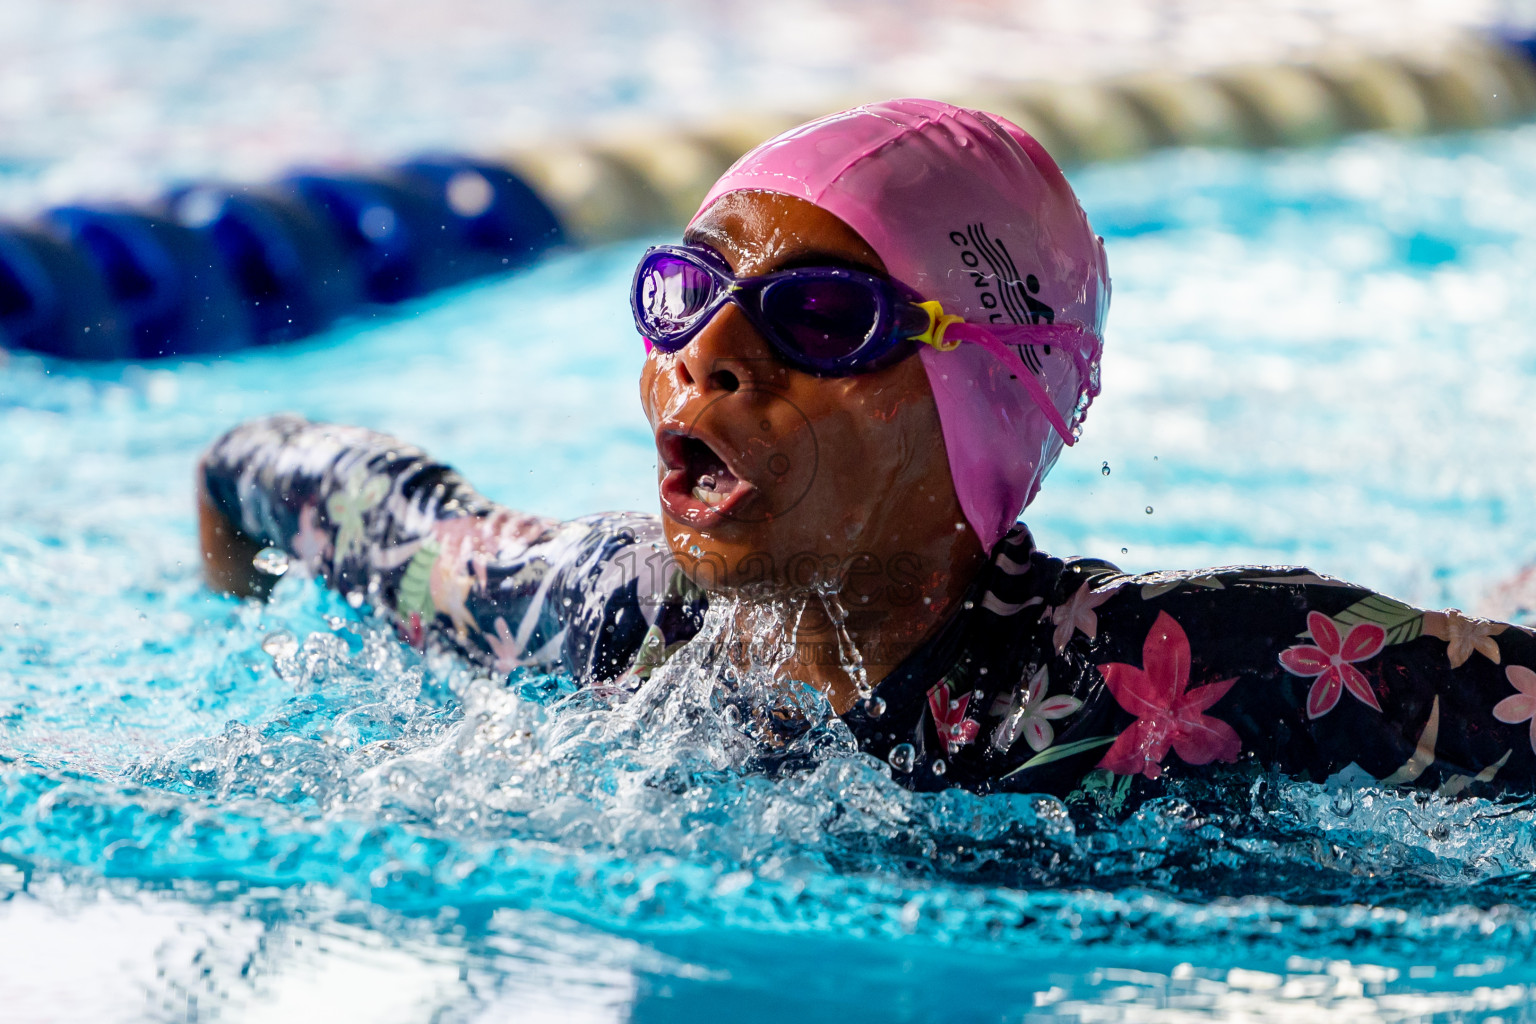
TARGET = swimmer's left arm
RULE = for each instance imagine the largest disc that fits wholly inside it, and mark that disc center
(1300, 672)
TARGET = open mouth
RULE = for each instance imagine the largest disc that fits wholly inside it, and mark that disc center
(708, 477)
(699, 486)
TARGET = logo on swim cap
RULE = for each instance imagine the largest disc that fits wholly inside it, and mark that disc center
(1007, 296)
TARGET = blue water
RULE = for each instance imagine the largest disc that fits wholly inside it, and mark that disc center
(211, 809)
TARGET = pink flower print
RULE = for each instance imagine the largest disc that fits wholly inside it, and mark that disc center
(1167, 713)
(474, 541)
(312, 544)
(467, 544)
(1329, 658)
(1031, 713)
(1521, 706)
(1078, 614)
(949, 717)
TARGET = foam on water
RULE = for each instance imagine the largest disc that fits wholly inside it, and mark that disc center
(1315, 357)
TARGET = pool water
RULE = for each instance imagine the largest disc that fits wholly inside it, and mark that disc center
(221, 810)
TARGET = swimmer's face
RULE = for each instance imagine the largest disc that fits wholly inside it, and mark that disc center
(770, 476)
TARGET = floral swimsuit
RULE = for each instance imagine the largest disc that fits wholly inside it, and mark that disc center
(1054, 675)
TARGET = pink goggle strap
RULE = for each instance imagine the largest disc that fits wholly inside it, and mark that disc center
(997, 339)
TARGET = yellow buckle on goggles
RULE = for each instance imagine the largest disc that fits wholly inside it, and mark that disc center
(938, 322)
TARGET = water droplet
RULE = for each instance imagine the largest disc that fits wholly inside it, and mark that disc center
(355, 599)
(902, 757)
(939, 767)
(336, 622)
(875, 707)
(1344, 802)
(1104, 469)
(1149, 510)
(271, 561)
(1125, 551)
(280, 644)
(959, 527)
(267, 760)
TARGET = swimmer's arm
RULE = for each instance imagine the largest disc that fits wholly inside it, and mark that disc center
(352, 505)
(386, 525)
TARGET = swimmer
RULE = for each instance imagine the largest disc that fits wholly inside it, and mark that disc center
(871, 345)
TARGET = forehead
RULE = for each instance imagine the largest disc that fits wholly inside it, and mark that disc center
(758, 232)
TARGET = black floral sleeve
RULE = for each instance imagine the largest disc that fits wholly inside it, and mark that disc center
(389, 527)
(1063, 669)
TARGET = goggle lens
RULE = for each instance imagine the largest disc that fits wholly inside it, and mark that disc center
(673, 291)
(824, 320)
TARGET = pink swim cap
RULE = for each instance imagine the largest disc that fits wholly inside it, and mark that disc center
(967, 209)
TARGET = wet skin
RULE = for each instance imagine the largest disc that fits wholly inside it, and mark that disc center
(841, 482)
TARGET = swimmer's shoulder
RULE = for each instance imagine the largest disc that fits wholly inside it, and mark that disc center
(1238, 589)
(1101, 575)
(1231, 600)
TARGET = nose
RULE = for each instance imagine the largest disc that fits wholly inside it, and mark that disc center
(728, 355)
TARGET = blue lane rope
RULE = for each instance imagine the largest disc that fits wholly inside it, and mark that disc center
(214, 268)
(53, 299)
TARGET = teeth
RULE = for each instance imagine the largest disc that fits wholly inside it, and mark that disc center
(705, 491)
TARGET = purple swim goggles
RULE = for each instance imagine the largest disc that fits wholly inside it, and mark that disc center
(828, 321)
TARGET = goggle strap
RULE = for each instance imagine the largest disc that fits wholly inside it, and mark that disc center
(986, 339)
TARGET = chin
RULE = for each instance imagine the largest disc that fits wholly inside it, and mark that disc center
(726, 558)
(757, 558)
